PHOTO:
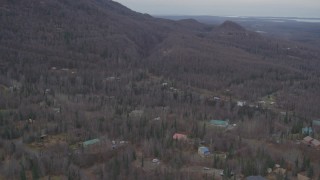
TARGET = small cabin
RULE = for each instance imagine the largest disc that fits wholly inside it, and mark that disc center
(156, 161)
(43, 136)
(219, 123)
(307, 131)
(203, 151)
(178, 136)
(90, 142)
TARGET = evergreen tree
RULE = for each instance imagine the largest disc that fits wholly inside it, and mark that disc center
(116, 168)
(134, 156)
(310, 172)
(203, 130)
(22, 173)
(142, 161)
(35, 171)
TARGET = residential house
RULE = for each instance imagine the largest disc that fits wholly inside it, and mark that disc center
(219, 123)
(307, 140)
(90, 142)
(307, 131)
(316, 126)
(203, 151)
(241, 103)
(315, 143)
(311, 142)
(156, 161)
(316, 122)
(164, 84)
(178, 136)
(110, 78)
(43, 134)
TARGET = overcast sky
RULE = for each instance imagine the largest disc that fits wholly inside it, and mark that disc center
(279, 8)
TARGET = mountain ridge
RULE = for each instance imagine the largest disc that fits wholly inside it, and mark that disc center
(105, 31)
(231, 26)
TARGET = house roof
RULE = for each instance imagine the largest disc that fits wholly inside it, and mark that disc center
(203, 149)
(307, 130)
(43, 136)
(90, 142)
(315, 142)
(312, 141)
(316, 122)
(241, 103)
(179, 136)
(308, 139)
(219, 122)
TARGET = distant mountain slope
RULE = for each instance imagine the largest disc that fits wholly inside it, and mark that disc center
(104, 35)
(99, 27)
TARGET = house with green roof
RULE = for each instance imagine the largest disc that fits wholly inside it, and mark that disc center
(90, 142)
(219, 123)
(316, 122)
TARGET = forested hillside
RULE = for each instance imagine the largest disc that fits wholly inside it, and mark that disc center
(90, 89)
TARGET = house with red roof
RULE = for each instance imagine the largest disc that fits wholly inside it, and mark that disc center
(311, 142)
(178, 136)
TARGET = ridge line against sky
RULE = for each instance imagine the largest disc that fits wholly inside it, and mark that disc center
(262, 8)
